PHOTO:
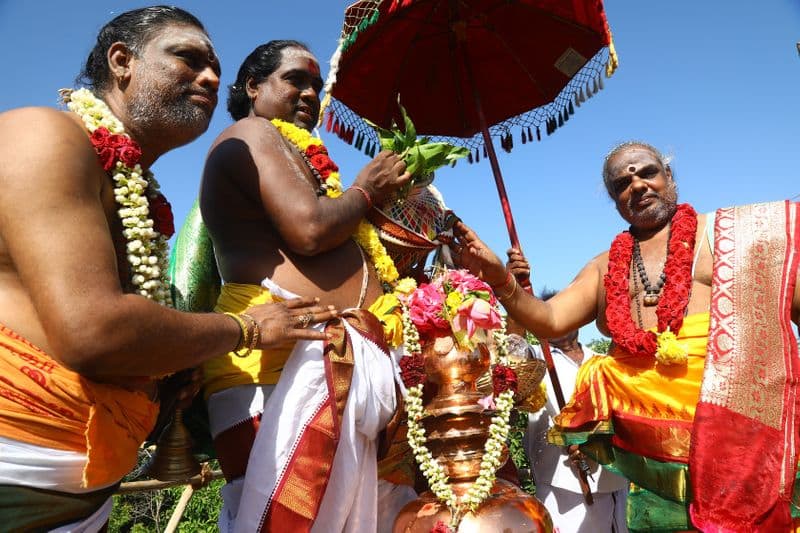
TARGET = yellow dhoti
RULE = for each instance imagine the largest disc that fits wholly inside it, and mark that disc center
(260, 366)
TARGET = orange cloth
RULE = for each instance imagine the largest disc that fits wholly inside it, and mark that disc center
(260, 366)
(44, 404)
(652, 405)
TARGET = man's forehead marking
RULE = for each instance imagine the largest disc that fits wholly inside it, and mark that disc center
(299, 54)
(183, 33)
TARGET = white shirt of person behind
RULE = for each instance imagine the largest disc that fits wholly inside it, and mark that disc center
(551, 464)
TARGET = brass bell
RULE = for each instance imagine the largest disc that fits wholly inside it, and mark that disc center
(173, 459)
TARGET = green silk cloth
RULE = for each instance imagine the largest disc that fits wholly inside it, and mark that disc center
(30, 509)
(195, 285)
(660, 492)
(195, 280)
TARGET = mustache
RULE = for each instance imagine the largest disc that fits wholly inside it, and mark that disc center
(634, 199)
(205, 93)
(311, 110)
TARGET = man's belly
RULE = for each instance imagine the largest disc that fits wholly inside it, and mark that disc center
(338, 277)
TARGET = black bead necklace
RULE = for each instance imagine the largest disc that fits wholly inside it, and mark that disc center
(652, 292)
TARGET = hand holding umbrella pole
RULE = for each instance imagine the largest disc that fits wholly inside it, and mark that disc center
(577, 458)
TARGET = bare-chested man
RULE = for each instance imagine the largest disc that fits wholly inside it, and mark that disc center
(78, 341)
(697, 404)
(276, 233)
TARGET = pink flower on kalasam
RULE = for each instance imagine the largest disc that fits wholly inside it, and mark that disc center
(476, 313)
(425, 309)
(466, 283)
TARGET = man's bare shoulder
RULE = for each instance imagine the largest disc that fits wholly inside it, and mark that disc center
(598, 263)
(15, 122)
(30, 136)
(253, 131)
(45, 152)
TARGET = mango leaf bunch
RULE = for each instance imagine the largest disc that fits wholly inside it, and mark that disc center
(421, 156)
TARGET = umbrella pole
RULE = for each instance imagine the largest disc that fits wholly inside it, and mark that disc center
(498, 176)
(577, 459)
(512, 230)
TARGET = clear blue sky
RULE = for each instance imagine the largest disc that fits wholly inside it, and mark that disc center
(715, 83)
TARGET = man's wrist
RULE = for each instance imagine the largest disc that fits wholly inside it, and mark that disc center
(503, 284)
(366, 195)
(505, 291)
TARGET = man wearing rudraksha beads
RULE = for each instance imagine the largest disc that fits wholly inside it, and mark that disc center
(697, 403)
(83, 251)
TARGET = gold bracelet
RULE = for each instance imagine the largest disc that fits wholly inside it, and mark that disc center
(255, 334)
(251, 337)
(242, 342)
(514, 284)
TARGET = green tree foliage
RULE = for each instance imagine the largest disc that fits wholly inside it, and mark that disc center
(599, 345)
(150, 511)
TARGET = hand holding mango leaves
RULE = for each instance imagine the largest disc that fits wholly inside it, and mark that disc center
(421, 156)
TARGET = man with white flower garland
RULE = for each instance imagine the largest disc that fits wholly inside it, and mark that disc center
(83, 234)
(696, 403)
(271, 199)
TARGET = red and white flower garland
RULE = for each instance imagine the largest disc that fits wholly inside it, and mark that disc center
(145, 214)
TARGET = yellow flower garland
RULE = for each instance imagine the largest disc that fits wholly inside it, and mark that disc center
(669, 350)
(366, 235)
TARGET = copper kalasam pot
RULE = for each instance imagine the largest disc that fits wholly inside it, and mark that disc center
(457, 428)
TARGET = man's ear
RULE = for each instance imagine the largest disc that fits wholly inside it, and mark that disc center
(251, 88)
(668, 172)
(119, 58)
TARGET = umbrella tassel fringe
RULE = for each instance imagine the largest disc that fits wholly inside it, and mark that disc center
(329, 122)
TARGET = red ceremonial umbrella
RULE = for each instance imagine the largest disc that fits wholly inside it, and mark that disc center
(467, 71)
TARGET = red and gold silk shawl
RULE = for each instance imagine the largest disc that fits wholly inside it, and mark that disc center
(744, 441)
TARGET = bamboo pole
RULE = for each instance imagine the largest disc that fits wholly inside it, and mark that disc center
(200, 480)
(180, 508)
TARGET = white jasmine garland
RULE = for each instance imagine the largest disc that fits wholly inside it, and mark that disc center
(493, 448)
(146, 248)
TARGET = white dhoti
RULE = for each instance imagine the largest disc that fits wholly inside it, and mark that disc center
(59, 471)
(288, 486)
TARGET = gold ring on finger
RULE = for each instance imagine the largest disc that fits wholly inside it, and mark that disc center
(304, 320)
